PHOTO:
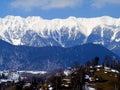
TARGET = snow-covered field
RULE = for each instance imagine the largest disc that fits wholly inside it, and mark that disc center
(6, 76)
(33, 72)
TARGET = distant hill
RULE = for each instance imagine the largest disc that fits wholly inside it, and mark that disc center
(48, 58)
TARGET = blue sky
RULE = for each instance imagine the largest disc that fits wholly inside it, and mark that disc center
(50, 9)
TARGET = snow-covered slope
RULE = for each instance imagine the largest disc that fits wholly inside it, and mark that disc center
(35, 31)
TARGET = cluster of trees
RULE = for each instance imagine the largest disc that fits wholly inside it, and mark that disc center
(112, 62)
(75, 80)
(108, 61)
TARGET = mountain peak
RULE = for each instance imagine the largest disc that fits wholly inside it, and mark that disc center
(107, 17)
(24, 31)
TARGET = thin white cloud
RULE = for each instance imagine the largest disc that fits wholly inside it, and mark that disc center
(102, 3)
(44, 4)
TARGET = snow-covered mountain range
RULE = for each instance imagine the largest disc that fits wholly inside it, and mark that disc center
(35, 31)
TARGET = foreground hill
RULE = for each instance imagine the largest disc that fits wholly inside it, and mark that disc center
(48, 58)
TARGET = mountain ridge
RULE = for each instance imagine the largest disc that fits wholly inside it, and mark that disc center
(39, 25)
(37, 32)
